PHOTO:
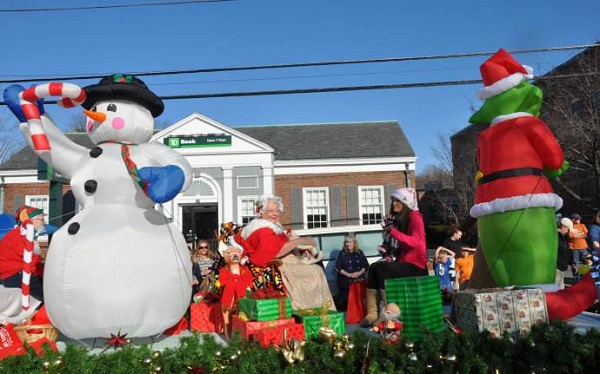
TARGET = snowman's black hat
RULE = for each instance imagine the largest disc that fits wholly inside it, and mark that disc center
(123, 87)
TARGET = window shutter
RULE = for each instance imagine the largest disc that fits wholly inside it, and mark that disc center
(388, 192)
(18, 200)
(296, 215)
(352, 205)
(335, 201)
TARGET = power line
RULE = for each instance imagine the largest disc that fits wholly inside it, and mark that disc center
(303, 64)
(60, 9)
(343, 88)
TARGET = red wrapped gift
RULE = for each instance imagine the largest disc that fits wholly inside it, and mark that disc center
(206, 317)
(38, 346)
(248, 328)
(10, 344)
(275, 335)
(177, 328)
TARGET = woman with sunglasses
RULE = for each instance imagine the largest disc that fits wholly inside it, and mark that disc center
(404, 233)
(202, 262)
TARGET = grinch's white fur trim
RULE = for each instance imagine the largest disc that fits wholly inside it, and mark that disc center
(549, 200)
(508, 117)
(259, 223)
(504, 84)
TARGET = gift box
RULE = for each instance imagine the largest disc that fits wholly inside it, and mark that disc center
(498, 310)
(314, 319)
(276, 335)
(247, 329)
(420, 302)
(10, 344)
(206, 317)
(265, 309)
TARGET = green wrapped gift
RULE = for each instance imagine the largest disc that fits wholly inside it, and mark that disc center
(420, 302)
(314, 319)
(266, 309)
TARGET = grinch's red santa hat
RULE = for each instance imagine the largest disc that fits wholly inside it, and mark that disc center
(500, 73)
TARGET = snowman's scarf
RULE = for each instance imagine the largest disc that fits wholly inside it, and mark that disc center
(27, 232)
(130, 165)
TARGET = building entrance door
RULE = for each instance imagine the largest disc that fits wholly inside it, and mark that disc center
(200, 222)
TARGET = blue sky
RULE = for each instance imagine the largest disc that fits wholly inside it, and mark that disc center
(263, 32)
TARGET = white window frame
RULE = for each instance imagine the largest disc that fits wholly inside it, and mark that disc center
(240, 205)
(307, 207)
(366, 207)
(34, 201)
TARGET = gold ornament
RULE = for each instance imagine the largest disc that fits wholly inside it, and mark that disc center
(58, 361)
(338, 351)
(155, 355)
(328, 334)
(412, 356)
(292, 350)
(157, 369)
(46, 366)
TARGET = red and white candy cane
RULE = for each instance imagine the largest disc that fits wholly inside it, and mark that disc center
(27, 231)
(71, 95)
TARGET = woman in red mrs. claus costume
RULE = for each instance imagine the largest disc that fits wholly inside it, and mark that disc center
(265, 241)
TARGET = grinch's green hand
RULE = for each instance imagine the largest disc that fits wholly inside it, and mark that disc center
(558, 172)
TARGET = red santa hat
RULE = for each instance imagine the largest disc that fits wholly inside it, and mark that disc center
(500, 73)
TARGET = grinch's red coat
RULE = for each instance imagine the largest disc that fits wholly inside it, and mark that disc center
(516, 141)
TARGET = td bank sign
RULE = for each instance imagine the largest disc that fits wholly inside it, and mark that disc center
(198, 141)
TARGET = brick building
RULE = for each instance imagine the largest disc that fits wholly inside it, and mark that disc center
(336, 175)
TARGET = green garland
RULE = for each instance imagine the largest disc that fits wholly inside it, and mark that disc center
(548, 348)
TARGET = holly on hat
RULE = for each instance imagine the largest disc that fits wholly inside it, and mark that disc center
(500, 73)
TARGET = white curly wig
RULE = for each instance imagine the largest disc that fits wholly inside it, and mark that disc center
(262, 201)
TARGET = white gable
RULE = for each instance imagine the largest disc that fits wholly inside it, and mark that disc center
(237, 149)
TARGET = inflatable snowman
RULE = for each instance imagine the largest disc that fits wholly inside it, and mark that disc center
(118, 266)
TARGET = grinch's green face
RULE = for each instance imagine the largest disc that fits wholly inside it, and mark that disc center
(523, 98)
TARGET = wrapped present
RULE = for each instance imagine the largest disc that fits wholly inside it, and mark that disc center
(275, 335)
(206, 317)
(10, 344)
(266, 309)
(246, 329)
(420, 302)
(314, 319)
(499, 310)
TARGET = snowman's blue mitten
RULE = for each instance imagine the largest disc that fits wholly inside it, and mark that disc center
(11, 98)
(163, 183)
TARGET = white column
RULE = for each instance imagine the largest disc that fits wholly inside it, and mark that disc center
(268, 181)
(227, 197)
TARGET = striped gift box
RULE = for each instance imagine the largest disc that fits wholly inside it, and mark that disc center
(420, 302)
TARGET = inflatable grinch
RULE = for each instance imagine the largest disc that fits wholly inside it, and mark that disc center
(515, 204)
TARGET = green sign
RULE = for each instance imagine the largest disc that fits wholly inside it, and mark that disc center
(47, 172)
(199, 141)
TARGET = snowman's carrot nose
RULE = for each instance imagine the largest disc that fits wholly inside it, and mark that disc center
(96, 116)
